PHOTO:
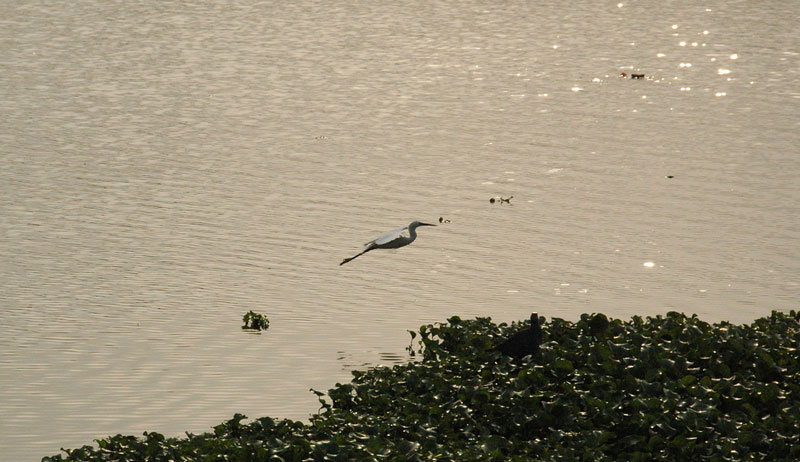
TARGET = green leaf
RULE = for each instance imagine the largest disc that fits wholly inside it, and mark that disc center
(687, 380)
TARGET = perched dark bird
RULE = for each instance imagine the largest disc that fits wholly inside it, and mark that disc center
(598, 325)
(524, 342)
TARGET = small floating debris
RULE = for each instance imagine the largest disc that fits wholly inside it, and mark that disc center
(255, 321)
(670, 176)
(624, 75)
(443, 220)
(501, 199)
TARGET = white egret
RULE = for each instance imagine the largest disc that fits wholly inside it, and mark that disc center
(391, 240)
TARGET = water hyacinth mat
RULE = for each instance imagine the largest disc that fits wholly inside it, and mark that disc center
(665, 388)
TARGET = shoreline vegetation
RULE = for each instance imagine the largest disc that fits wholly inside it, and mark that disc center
(665, 388)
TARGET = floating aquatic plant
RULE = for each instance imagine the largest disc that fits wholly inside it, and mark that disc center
(255, 321)
(666, 388)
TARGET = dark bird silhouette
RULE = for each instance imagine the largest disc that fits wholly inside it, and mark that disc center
(524, 342)
(598, 325)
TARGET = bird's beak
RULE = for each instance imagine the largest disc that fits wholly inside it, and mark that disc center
(426, 224)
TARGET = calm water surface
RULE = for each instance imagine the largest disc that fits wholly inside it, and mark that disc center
(167, 167)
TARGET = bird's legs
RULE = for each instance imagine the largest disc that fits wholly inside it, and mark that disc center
(357, 255)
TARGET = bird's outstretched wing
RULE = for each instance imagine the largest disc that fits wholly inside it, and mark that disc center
(390, 236)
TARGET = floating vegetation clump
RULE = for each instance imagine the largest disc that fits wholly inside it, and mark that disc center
(665, 388)
(255, 321)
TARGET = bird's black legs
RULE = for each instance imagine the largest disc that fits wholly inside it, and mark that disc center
(356, 255)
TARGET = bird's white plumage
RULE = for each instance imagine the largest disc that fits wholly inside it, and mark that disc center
(390, 236)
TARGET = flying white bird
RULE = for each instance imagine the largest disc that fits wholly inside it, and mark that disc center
(391, 240)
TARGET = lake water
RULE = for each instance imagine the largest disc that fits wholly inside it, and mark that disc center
(169, 166)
